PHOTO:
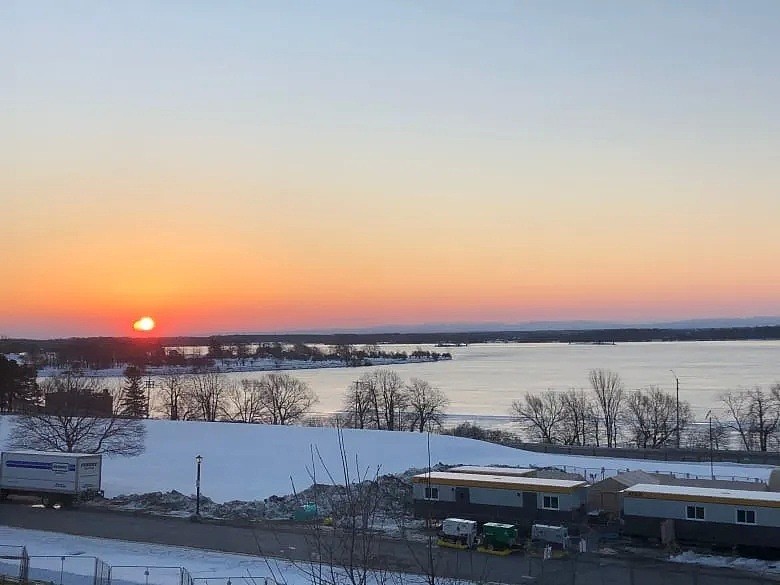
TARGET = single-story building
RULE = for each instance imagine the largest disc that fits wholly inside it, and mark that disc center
(707, 515)
(499, 498)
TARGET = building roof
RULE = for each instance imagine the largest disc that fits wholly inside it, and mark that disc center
(529, 484)
(681, 493)
(510, 471)
(626, 479)
(49, 453)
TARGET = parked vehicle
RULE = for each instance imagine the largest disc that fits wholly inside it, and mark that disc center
(57, 478)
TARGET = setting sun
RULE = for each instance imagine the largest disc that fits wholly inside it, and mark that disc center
(144, 324)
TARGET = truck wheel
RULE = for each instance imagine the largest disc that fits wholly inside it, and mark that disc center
(66, 502)
(47, 502)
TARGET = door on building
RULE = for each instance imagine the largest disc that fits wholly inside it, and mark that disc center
(462, 496)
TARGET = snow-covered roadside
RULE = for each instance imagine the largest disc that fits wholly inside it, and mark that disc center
(741, 563)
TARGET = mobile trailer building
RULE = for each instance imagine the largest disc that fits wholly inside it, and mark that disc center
(523, 501)
(724, 517)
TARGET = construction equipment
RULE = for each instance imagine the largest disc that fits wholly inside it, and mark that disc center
(458, 533)
(498, 538)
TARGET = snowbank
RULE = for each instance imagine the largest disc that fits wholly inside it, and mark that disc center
(740, 563)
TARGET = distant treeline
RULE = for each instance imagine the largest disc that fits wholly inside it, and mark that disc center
(126, 349)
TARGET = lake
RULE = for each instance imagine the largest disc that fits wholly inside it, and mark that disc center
(482, 380)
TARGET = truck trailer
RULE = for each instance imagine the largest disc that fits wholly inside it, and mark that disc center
(56, 478)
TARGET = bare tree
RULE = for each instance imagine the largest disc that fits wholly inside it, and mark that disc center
(206, 392)
(579, 414)
(541, 415)
(244, 402)
(754, 415)
(388, 399)
(357, 403)
(651, 417)
(71, 428)
(609, 397)
(285, 399)
(427, 405)
(173, 389)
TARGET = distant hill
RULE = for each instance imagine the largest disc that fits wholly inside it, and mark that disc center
(576, 325)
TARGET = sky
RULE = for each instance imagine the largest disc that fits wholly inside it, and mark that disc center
(277, 166)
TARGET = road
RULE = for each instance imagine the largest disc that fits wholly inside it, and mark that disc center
(298, 543)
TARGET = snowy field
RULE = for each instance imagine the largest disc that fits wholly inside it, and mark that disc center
(253, 462)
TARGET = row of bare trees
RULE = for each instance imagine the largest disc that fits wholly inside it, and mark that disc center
(754, 416)
(383, 400)
(607, 414)
(275, 398)
(81, 424)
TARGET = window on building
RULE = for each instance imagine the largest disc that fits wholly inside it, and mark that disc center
(695, 512)
(550, 502)
(431, 493)
(746, 516)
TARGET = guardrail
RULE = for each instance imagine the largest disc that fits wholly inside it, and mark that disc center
(665, 454)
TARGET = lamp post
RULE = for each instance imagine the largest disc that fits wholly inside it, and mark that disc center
(677, 427)
(709, 418)
(198, 460)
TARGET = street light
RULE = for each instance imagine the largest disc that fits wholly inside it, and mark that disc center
(677, 380)
(709, 418)
(198, 460)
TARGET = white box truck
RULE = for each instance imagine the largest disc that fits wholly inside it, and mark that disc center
(57, 478)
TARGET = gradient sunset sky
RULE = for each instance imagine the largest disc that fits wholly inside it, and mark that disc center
(270, 166)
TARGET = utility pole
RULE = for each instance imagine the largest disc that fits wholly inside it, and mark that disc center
(712, 470)
(677, 381)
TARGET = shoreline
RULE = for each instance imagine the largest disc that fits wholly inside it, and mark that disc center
(245, 365)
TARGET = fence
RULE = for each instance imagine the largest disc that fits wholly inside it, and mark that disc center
(19, 568)
(666, 454)
(594, 474)
(14, 562)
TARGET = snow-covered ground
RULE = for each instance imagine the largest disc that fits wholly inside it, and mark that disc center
(739, 563)
(70, 560)
(253, 462)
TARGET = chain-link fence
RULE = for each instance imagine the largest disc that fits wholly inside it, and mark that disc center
(67, 570)
(148, 575)
(14, 563)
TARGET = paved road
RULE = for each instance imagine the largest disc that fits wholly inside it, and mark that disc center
(298, 543)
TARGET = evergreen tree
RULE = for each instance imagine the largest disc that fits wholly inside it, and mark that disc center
(134, 403)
